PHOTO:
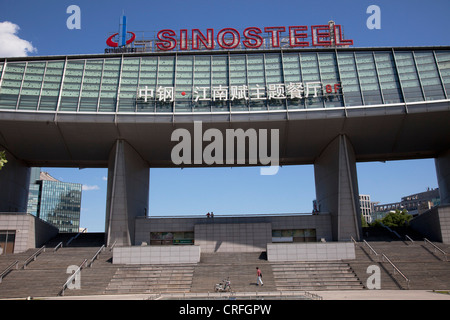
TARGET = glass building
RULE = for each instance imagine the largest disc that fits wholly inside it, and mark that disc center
(225, 81)
(56, 202)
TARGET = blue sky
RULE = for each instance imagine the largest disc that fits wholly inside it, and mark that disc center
(237, 190)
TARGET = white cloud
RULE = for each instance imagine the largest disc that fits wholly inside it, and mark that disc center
(89, 188)
(10, 44)
(105, 178)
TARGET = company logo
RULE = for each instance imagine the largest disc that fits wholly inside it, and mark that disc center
(113, 44)
(123, 35)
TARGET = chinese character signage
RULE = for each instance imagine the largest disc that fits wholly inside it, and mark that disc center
(293, 90)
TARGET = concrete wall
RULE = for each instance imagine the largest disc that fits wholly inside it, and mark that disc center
(337, 188)
(127, 195)
(156, 254)
(31, 232)
(434, 224)
(232, 231)
(278, 252)
(233, 237)
(14, 182)
(443, 176)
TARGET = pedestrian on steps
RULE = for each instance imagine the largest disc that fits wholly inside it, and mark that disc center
(259, 277)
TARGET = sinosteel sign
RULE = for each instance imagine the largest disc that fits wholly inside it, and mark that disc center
(250, 38)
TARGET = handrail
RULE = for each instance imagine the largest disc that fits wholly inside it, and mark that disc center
(436, 248)
(112, 247)
(390, 230)
(397, 269)
(33, 257)
(71, 277)
(58, 246)
(8, 269)
(73, 238)
(370, 247)
(409, 238)
(96, 255)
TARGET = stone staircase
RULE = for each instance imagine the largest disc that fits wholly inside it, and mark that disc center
(426, 269)
(240, 268)
(95, 279)
(315, 276)
(46, 275)
(151, 279)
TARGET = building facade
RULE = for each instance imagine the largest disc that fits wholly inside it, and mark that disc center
(54, 201)
(225, 81)
(332, 107)
(367, 207)
(415, 204)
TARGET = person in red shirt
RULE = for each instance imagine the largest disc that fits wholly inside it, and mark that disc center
(259, 277)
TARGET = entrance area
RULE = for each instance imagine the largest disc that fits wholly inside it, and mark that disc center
(7, 241)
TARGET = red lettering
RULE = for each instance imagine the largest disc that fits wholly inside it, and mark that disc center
(228, 44)
(230, 38)
(339, 41)
(275, 31)
(168, 42)
(183, 39)
(337, 87)
(253, 39)
(294, 36)
(318, 36)
(198, 36)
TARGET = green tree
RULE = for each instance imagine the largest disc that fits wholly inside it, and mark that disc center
(394, 219)
(3, 160)
(363, 222)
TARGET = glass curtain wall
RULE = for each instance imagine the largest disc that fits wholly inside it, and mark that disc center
(226, 82)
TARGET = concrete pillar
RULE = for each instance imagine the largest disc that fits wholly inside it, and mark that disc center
(337, 188)
(14, 185)
(127, 196)
(443, 176)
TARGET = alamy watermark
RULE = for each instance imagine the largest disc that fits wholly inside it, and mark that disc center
(74, 20)
(374, 280)
(235, 147)
(374, 20)
(75, 283)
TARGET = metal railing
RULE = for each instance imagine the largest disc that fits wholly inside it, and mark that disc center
(113, 245)
(8, 269)
(390, 230)
(71, 278)
(396, 269)
(436, 248)
(409, 238)
(96, 255)
(59, 245)
(75, 236)
(33, 257)
(371, 249)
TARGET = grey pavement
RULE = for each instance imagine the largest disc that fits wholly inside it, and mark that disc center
(382, 295)
(324, 295)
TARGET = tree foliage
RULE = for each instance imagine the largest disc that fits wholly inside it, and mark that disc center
(3, 160)
(394, 219)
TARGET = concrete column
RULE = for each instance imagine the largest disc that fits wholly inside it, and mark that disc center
(14, 185)
(337, 188)
(127, 196)
(443, 176)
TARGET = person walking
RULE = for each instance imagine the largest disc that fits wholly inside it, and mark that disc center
(259, 277)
